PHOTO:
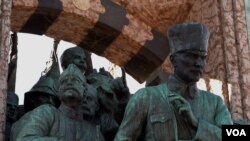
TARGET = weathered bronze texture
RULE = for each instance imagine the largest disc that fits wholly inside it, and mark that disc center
(177, 109)
(65, 123)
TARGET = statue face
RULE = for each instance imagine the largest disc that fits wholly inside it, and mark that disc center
(72, 88)
(90, 104)
(12, 107)
(12, 112)
(188, 65)
(107, 99)
(76, 56)
(106, 96)
(79, 59)
(98, 79)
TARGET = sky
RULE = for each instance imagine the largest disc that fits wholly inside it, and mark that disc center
(33, 53)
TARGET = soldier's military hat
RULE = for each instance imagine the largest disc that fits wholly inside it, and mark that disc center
(46, 85)
(192, 37)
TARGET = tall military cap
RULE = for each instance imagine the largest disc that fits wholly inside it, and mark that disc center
(46, 85)
(190, 36)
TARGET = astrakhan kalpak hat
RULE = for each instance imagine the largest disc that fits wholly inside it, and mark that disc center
(191, 37)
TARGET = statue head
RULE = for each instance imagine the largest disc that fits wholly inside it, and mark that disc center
(188, 49)
(12, 107)
(74, 55)
(44, 91)
(96, 79)
(102, 81)
(192, 37)
(90, 105)
(72, 86)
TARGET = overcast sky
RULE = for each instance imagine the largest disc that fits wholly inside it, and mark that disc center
(34, 51)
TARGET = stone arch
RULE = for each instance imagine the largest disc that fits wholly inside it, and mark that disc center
(99, 26)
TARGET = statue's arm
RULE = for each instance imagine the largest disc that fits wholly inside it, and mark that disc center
(134, 118)
(212, 132)
(35, 125)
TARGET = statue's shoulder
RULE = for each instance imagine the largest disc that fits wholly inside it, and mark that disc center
(152, 90)
(45, 107)
(210, 96)
(45, 110)
(42, 112)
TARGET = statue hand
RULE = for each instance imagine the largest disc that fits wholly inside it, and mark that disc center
(184, 108)
(121, 90)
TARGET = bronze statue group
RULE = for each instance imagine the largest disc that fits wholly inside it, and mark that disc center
(75, 106)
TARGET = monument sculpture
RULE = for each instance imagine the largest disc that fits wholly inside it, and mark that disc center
(45, 89)
(76, 56)
(177, 109)
(47, 123)
(112, 94)
(107, 99)
(43, 92)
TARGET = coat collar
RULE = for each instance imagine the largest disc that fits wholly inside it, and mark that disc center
(177, 86)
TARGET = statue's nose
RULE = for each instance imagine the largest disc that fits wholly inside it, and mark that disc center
(199, 62)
